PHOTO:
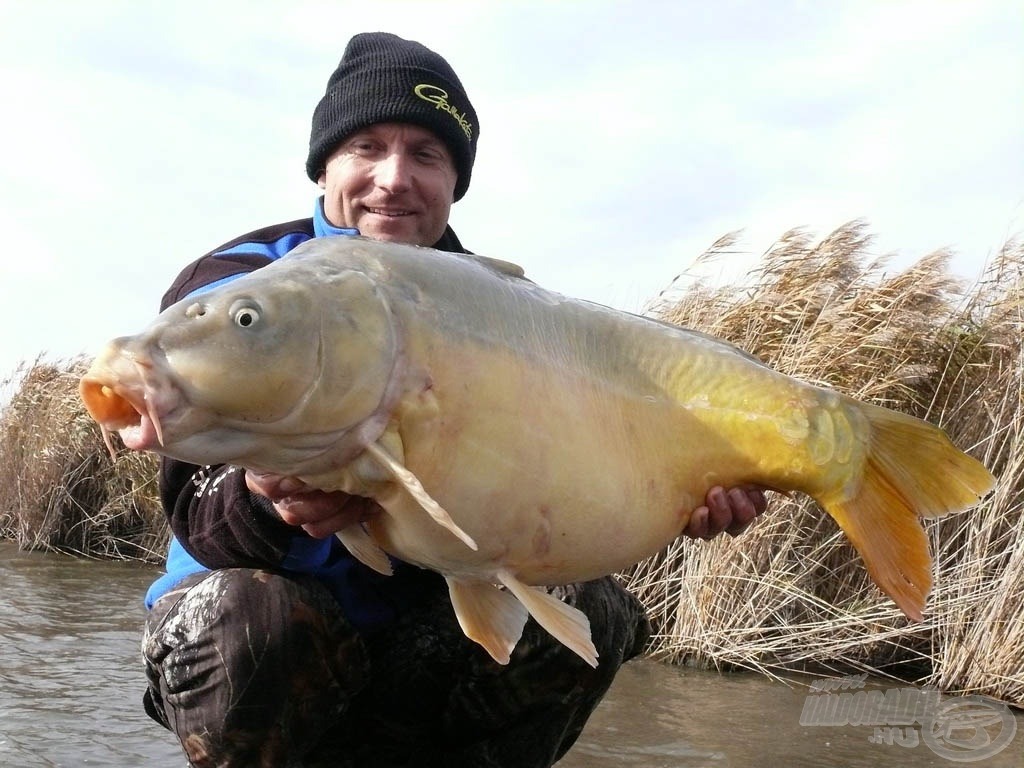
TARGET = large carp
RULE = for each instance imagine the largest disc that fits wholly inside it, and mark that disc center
(513, 436)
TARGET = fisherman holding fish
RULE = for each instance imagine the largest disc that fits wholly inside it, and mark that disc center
(267, 642)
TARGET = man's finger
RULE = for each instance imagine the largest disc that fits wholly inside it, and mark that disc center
(743, 511)
(758, 499)
(697, 528)
(274, 487)
(720, 513)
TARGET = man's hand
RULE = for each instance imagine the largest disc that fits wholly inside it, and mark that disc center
(318, 513)
(731, 511)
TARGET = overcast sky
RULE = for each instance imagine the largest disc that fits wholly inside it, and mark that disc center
(618, 140)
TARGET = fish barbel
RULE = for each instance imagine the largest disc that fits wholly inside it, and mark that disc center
(514, 437)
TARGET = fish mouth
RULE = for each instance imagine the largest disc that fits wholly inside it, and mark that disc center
(121, 402)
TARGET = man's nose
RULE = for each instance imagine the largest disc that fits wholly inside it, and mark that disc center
(394, 173)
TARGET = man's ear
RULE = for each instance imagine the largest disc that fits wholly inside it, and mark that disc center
(321, 180)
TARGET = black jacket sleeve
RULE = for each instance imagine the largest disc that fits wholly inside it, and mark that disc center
(219, 521)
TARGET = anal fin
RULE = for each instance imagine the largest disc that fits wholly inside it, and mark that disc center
(364, 548)
(488, 616)
(569, 626)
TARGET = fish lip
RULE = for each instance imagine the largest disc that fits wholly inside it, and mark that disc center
(136, 397)
(148, 429)
(142, 436)
(153, 395)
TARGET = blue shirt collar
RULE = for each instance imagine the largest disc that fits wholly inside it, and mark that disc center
(322, 227)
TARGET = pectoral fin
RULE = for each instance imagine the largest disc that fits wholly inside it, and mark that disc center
(568, 625)
(412, 485)
(489, 616)
(364, 548)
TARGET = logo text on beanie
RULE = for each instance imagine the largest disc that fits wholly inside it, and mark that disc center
(439, 98)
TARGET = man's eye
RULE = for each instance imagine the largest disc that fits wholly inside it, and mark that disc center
(362, 146)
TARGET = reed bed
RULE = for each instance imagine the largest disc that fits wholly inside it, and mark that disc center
(59, 488)
(791, 593)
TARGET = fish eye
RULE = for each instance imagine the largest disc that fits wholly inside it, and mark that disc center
(245, 315)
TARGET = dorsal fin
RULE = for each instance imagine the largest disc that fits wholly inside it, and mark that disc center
(498, 265)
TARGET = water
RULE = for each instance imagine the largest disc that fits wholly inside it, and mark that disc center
(71, 683)
(71, 676)
(659, 716)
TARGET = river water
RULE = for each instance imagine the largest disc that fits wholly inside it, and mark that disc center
(71, 685)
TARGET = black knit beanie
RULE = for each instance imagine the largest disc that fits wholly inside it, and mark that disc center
(383, 79)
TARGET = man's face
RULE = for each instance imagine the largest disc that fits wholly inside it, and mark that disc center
(392, 181)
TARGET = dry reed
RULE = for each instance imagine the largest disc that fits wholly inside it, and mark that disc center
(59, 488)
(791, 593)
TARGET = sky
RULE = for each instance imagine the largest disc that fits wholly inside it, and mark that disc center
(618, 140)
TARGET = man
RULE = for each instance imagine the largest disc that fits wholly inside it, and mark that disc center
(266, 642)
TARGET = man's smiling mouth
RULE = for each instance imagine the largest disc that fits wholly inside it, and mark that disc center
(389, 212)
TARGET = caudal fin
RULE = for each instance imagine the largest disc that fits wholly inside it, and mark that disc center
(912, 470)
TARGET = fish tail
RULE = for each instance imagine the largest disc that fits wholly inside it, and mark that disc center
(912, 470)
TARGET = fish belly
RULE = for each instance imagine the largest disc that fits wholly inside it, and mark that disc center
(561, 472)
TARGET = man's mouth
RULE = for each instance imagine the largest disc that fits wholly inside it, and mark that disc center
(390, 212)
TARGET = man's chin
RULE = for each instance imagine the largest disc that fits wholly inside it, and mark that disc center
(404, 230)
